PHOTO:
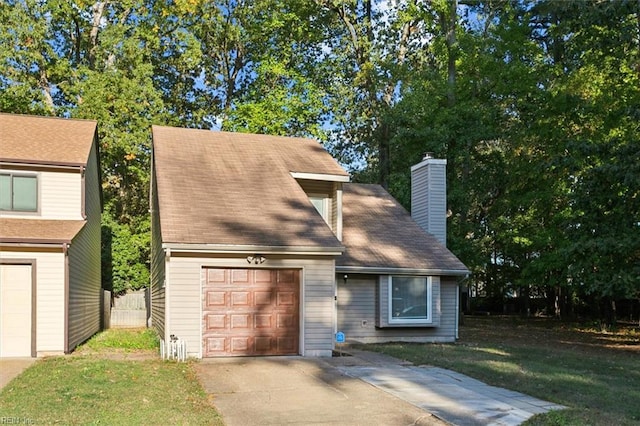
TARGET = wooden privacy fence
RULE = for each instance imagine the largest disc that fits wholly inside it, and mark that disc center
(130, 310)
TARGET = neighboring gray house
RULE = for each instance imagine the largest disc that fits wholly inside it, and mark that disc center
(254, 236)
(50, 207)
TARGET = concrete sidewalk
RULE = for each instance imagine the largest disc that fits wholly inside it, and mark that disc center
(12, 367)
(451, 396)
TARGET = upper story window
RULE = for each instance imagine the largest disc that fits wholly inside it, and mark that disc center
(18, 192)
(410, 300)
(321, 203)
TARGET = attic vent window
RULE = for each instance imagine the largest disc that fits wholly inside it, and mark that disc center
(18, 192)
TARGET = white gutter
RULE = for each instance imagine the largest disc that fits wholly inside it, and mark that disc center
(251, 249)
(320, 176)
(402, 271)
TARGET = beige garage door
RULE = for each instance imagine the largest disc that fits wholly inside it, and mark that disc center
(250, 312)
(15, 311)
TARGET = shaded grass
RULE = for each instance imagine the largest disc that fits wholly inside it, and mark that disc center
(600, 385)
(118, 338)
(91, 389)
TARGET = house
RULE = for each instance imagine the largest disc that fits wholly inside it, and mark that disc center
(260, 246)
(50, 207)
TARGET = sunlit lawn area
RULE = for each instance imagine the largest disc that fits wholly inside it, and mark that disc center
(113, 379)
(595, 373)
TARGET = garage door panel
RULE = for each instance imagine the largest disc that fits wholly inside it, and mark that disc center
(239, 276)
(287, 277)
(259, 310)
(215, 346)
(286, 321)
(240, 322)
(263, 344)
(215, 298)
(286, 298)
(240, 298)
(263, 276)
(240, 345)
(286, 344)
(217, 275)
(263, 321)
(263, 298)
(215, 321)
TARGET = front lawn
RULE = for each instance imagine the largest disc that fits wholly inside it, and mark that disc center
(100, 384)
(595, 373)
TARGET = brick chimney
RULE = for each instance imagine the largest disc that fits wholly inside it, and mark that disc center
(429, 196)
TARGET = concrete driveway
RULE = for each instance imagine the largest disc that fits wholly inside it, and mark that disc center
(364, 389)
(300, 391)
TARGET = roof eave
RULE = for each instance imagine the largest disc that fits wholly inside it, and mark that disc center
(320, 176)
(253, 249)
(383, 270)
(40, 163)
(33, 242)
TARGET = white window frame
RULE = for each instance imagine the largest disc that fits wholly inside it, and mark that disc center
(326, 214)
(410, 321)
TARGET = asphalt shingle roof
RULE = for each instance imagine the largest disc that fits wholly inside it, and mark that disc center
(236, 189)
(379, 233)
(39, 230)
(45, 140)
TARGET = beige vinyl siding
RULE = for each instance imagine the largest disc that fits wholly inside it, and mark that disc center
(59, 195)
(84, 264)
(358, 300)
(183, 316)
(50, 296)
(157, 267)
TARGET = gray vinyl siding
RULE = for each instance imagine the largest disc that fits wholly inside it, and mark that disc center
(84, 264)
(360, 297)
(429, 197)
(157, 267)
(183, 313)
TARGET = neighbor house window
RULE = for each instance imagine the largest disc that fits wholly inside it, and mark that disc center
(18, 192)
(409, 300)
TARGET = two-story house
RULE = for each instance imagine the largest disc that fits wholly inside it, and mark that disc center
(261, 246)
(50, 207)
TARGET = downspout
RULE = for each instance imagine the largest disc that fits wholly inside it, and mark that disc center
(65, 253)
(457, 310)
(458, 313)
(83, 212)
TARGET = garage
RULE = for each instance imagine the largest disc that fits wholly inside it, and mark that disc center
(16, 311)
(248, 312)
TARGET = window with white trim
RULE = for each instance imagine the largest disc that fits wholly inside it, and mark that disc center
(18, 192)
(410, 300)
(321, 203)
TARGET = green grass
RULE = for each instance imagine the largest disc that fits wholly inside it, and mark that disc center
(90, 389)
(125, 339)
(595, 374)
